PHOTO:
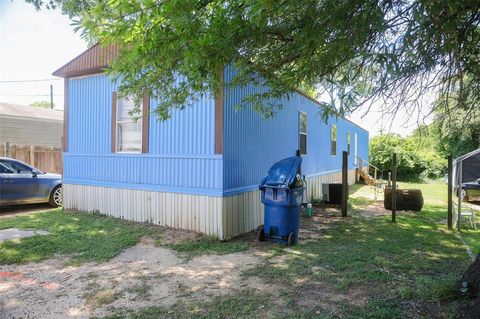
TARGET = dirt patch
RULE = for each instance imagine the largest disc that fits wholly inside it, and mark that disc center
(321, 296)
(374, 209)
(11, 211)
(420, 309)
(140, 277)
(315, 227)
(171, 235)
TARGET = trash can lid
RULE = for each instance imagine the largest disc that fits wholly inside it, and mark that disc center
(283, 173)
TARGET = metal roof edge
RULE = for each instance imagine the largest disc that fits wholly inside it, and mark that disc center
(58, 71)
(304, 94)
(468, 155)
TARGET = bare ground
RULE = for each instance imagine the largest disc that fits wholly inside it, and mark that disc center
(141, 276)
(146, 275)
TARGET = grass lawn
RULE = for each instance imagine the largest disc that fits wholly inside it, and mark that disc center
(400, 270)
(406, 269)
(90, 237)
(85, 237)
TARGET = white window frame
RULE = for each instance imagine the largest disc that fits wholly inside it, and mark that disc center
(124, 121)
(300, 133)
(355, 149)
(332, 126)
(349, 142)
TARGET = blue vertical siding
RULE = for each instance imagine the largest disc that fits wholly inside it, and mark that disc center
(189, 131)
(90, 115)
(181, 150)
(252, 143)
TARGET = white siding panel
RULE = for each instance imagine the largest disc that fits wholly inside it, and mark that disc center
(242, 213)
(27, 131)
(224, 217)
(314, 184)
(186, 211)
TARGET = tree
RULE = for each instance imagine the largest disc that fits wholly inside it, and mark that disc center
(417, 155)
(460, 134)
(42, 104)
(383, 146)
(390, 50)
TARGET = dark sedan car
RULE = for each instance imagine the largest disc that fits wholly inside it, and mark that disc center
(21, 183)
(471, 191)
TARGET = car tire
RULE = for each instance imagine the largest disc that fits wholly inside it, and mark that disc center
(56, 197)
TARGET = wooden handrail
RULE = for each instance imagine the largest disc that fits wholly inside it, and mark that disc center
(367, 162)
(360, 166)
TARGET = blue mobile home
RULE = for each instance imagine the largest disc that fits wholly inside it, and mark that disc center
(199, 170)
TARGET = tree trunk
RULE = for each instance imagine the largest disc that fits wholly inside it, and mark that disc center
(469, 286)
(470, 282)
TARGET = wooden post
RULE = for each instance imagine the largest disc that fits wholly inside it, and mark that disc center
(359, 169)
(32, 155)
(394, 188)
(344, 183)
(450, 204)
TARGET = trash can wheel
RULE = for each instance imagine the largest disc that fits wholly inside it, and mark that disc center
(261, 234)
(291, 239)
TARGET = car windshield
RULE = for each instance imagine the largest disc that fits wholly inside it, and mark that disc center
(16, 167)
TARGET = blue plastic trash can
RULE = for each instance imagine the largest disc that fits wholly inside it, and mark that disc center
(282, 195)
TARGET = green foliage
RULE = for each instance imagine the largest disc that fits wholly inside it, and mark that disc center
(457, 133)
(417, 155)
(357, 50)
(42, 104)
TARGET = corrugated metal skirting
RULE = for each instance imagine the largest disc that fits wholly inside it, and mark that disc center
(184, 211)
(224, 217)
(244, 212)
(314, 184)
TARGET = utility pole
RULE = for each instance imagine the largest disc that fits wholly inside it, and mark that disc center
(51, 96)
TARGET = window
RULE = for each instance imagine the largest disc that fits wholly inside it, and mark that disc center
(348, 142)
(5, 169)
(9, 167)
(333, 140)
(128, 131)
(355, 149)
(302, 130)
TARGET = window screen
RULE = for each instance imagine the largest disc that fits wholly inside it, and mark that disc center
(333, 140)
(348, 142)
(129, 131)
(302, 132)
(355, 150)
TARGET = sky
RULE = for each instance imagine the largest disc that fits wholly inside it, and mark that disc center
(33, 44)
